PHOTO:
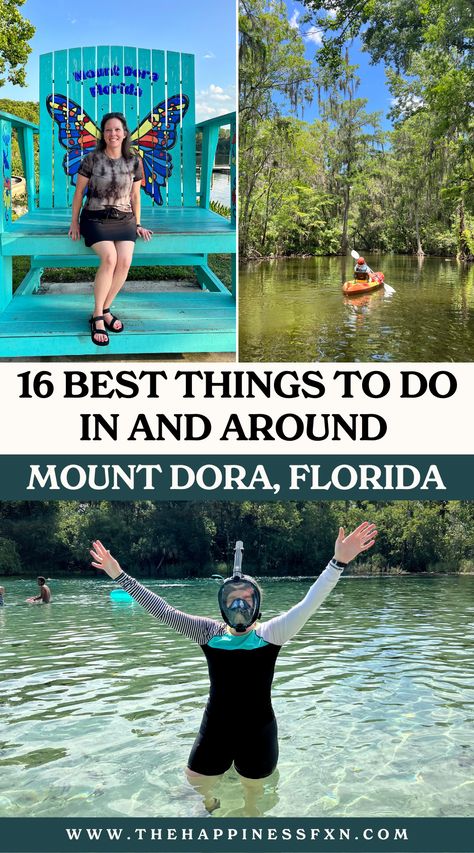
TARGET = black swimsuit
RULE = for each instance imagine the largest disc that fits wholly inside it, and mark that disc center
(238, 726)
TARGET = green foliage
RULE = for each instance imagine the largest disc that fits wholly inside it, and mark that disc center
(10, 563)
(177, 539)
(223, 146)
(220, 208)
(273, 75)
(220, 264)
(316, 190)
(15, 33)
(271, 60)
(28, 110)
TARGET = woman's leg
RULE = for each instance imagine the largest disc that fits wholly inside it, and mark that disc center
(210, 757)
(253, 791)
(107, 253)
(204, 785)
(256, 759)
(260, 795)
(124, 249)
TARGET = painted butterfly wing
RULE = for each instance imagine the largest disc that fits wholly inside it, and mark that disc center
(77, 132)
(153, 138)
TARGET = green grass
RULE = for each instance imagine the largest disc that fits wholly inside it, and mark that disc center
(220, 264)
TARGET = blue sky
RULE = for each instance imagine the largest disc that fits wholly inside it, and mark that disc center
(373, 81)
(206, 28)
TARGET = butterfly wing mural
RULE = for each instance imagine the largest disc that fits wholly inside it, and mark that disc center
(77, 132)
(152, 139)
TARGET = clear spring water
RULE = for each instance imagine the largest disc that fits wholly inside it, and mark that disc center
(99, 703)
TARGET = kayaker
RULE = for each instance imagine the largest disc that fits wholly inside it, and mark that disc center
(361, 270)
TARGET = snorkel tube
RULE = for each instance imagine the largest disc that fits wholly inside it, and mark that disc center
(239, 596)
(238, 555)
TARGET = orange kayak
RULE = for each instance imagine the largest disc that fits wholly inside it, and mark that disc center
(355, 288)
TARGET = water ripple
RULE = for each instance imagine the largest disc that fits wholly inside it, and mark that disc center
(374, 700)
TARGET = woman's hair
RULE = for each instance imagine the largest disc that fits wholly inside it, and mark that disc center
(101, 145)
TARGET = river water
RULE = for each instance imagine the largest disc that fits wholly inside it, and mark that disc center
(293, 309)
(220, 187)
(100, 703)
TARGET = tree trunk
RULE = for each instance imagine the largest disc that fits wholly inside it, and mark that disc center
(464, 253)
(419, 247)
(345, 223)
(267, 206)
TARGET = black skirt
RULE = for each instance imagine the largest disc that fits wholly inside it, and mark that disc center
(98, 225)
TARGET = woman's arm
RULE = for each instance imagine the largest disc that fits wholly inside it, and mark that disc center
(280, 629)
(81, 187)
(195, 628)
(136, 207)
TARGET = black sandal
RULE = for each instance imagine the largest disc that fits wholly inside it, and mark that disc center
(110, 323)
(96, 331)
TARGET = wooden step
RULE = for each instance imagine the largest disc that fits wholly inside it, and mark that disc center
(57, 325)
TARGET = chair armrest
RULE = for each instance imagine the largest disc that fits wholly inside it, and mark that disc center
(25, 131)
(210, 137)
(218, 121)
(18, 122)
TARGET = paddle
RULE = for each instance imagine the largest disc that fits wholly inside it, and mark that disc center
(387, 287)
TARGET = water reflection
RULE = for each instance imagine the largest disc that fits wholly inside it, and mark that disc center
(293, 310)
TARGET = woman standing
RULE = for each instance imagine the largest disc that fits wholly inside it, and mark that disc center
(110, 219)
(241, 650)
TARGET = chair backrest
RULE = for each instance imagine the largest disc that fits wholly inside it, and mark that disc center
(155, 91)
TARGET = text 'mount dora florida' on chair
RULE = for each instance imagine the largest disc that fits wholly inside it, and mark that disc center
(155, 90)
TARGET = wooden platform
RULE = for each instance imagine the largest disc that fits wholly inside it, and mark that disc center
(57, 325)
(182, 230)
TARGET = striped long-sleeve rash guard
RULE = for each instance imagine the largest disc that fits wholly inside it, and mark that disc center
(255, 670)
(276, 631)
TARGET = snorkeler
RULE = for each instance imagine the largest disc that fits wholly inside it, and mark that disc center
(240, 651)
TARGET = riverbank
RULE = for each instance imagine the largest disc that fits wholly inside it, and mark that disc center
(256, 256)
(364, 571)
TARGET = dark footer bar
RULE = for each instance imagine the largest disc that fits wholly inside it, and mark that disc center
(281, 835)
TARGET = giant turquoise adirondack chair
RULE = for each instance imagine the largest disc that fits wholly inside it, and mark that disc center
(155, 89)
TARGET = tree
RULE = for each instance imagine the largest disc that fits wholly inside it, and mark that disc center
(428, 48)
(10, 563)
(352, 134)
(273, 75)
(15, 33)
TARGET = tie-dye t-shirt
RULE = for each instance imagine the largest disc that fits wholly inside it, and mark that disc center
(110, 181)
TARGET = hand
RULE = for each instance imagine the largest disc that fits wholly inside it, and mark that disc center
(74, 232)
(104, 560)
(144, 233)
(361, 539)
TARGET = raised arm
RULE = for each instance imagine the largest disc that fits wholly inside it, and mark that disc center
(196, 628)
(281, 628)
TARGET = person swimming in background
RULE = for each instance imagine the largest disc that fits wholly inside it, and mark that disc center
(2, 596)
(251, 746)
(45, 593)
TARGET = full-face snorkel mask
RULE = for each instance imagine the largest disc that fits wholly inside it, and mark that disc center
(239, 597)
